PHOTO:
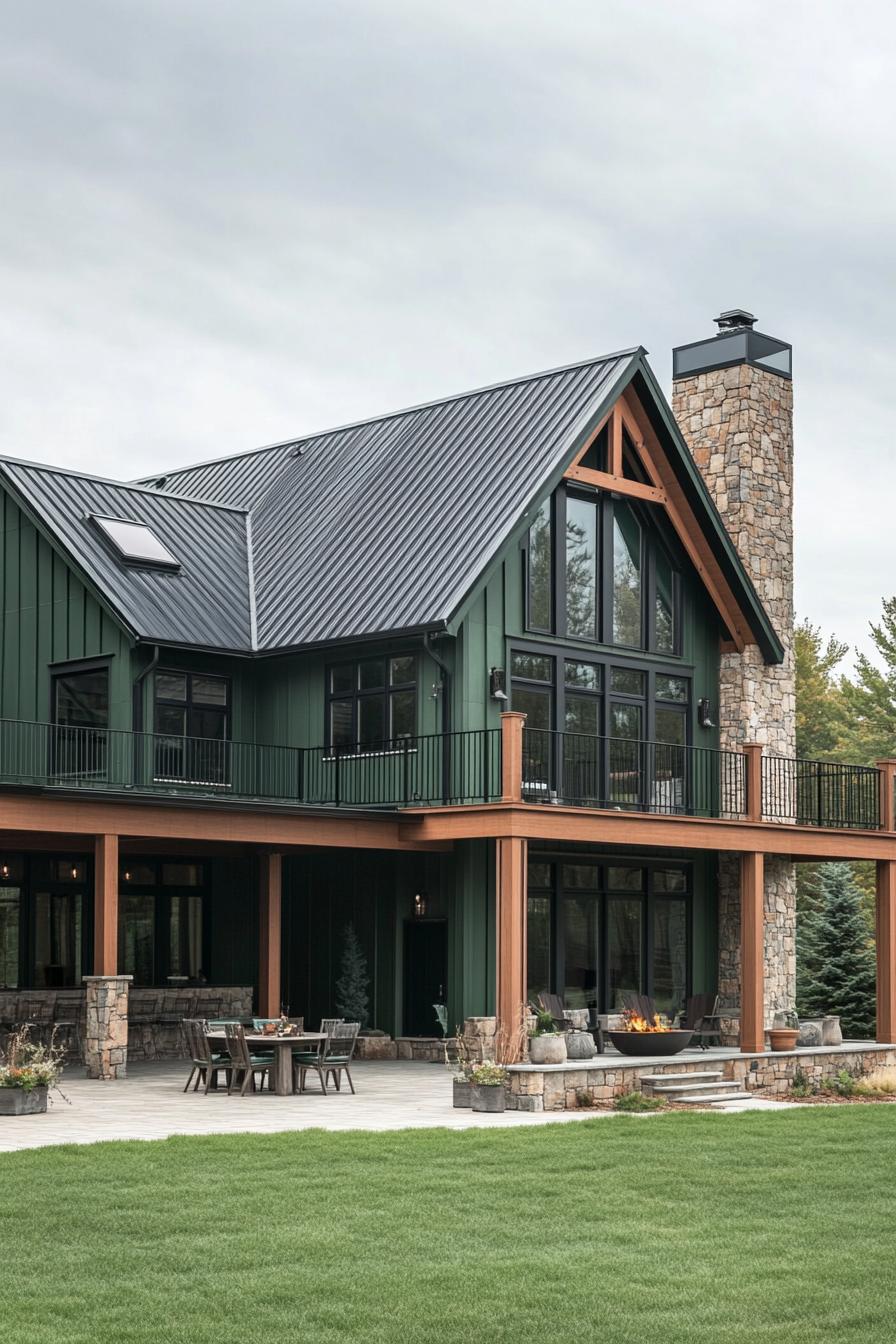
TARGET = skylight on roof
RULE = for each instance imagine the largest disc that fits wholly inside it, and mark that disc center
(135, 542)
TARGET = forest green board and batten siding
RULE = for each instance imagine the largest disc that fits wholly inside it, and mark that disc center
(48, 616)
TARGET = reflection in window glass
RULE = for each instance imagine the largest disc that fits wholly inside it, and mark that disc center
(624, 939)
(10, 923)
(626, 682)
(533, 666)
(669, 879)
(539, 874)
(540, 574)
(185, 936)
(625, 878)
(581, 568)
(581, 714)
(672, 688)
(402, 671)
(625, 754)
(342, 679)
(664, 614)
(626, 577)
(372, 674)
(580, 937)
(403, 705)
(584, 675)
(670, 955)
(538, 946)
(579, 875)
(57, 938)
(136, 937)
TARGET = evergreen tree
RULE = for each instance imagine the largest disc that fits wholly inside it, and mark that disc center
(353, 983)
(820, 719)
(835, 959)
(871, 698)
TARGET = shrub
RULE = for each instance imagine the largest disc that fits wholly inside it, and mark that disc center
(544, 1024)
(879, 1083)
(636, 1101)
(584, 1099)
(845, 1084)
(802, 1084)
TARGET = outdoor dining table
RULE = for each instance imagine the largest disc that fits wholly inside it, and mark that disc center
(282, 1046)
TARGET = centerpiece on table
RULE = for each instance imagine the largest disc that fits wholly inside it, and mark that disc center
(648, 1035)
(28, 1069)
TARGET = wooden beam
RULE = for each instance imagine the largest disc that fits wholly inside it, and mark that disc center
(885, 944)
(105, 905)
(512, 756)
(682, 518)
(752, 953)
(647, 830)
(511, 906)
(228, 823)
(887, 770)
(620, 485)
(270, 884)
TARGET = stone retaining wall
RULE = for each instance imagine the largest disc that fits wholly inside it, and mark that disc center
(556, 1088)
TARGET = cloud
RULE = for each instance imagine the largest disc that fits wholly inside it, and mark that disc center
(226, 224)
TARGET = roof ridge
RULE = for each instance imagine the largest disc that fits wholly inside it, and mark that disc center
(121, 485)
(297, 439)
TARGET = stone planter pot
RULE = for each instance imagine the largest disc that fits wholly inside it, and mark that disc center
(577, 1018)
(811, 1032)
(16, 1101)
(489, 1099)
(547, 1049)
(462, 1093)
(830, 1031)
(783, 1038)
(580, 1045)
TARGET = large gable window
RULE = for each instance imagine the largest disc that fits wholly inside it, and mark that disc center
(598, 571)
(372, 703)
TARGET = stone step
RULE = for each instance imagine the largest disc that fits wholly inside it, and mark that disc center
(704, 1075)
(720, 1085)
(708, 1098)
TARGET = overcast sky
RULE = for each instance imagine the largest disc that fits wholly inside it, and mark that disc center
(225, 223)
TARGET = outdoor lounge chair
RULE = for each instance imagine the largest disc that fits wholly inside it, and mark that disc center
(642, 1004)
(553, 1004)
(702, 1017)
(243, 1065)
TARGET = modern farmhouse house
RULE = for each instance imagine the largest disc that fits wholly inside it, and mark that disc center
(505, 681)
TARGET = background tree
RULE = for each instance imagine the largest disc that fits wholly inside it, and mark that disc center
(835, 956)
(820, 711)
(353, 984)
(870, 700)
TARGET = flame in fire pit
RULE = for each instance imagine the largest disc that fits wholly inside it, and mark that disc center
(635, 1022)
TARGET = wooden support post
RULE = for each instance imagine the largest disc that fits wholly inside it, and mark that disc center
(885, 931)
(753, 753)
(752, 953)
(512, 897)
(615, 444)
(512, 757)
(105, 904)
(269, 898)
(887, 771)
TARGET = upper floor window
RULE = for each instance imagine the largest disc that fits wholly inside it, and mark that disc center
(596, 571)
(81, 715)
(372, 702)
(192, 725)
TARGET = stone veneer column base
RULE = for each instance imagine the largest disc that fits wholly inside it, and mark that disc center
(106, 1043)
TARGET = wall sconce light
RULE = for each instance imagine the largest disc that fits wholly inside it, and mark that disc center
(419, 905)
(4, 870)
(74, 872)
(496, 684)
(704, 714)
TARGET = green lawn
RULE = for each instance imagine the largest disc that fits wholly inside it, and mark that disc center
(700, 1228)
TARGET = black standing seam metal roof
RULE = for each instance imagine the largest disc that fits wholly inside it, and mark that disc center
(372, 528)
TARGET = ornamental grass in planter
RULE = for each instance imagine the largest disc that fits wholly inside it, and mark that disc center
(27, 1071)
(487, 1087)
(546, 1045)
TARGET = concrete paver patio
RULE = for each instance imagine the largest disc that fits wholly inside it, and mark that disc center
(150, 1104)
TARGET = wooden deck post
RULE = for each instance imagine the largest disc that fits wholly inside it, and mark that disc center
(269, 956)
(753, 753)
(512, 757)
(887, 770)
(512, 897)
(752, 953)
(885, 942)
(105, 904)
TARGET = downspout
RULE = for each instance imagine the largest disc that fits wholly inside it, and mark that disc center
(446, 679)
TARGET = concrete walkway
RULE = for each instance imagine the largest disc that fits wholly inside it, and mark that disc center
(150, 1104)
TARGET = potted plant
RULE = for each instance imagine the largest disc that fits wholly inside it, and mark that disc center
(487, 1086)
(784, 1032)
(27, 1072)
(546, 1044)
(464, 1064)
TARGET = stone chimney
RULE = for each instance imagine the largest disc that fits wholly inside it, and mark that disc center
(732, 396)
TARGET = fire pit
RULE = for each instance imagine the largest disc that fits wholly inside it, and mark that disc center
(650, 1042)
(643, 1036)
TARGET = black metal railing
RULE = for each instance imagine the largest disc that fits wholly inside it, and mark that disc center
(820, 793)
(624, 774)
(463, 767)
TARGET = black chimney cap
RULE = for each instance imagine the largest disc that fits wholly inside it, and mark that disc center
(735, 318)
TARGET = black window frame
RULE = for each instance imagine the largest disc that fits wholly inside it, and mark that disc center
(162, 894)
(193, 765)
(79, 751)
(385, 693)
(652, 541)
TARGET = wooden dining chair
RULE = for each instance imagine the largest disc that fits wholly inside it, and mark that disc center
(206, 1064)
(243, 1065)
